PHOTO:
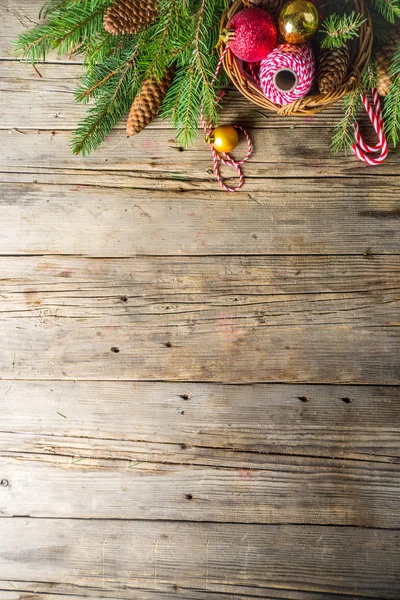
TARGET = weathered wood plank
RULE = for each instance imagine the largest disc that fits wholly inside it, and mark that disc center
(287, 217)
(275, 493)
(230, 281)
(317, 337)
(63, 591)
(16, 16)
(154, 159)
(199, 423)
(49, 102)
(226, 558)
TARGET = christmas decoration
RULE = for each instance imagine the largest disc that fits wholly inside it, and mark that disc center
(129, 16)
(222, 157)
(146, 56)
(385, 75)
(147, 103)
(251, 34)
(287, 73)
(360, 148)
(179, 34)
(332, 68)
(298, 21)
(384, 57)
(223, 138)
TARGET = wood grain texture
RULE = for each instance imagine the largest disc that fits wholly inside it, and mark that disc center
(154, 159)
(178, 330)
(221, 425)
(274, 493)
(198, 491)
(50, 103)
(292, 217)
(222, 558)
(25, 590)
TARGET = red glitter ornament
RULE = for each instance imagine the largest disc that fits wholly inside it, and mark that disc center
(251, 34)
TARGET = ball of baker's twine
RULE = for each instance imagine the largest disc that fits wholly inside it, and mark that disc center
(297, 60)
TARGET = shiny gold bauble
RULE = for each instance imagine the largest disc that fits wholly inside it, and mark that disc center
(298, 21)
(224, 138)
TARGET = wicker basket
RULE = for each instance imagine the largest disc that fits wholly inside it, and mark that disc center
(361, 51)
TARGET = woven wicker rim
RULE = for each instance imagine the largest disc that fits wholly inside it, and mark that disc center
(313, 103)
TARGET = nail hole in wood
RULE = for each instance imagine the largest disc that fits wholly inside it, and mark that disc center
(115, 349)
(123, 298)
(168, 345)
(303, 398)
(184, 396)
(346, 400)
(189, 497)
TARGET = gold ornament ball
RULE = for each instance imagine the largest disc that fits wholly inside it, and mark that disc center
(298, 21)
(224, 138)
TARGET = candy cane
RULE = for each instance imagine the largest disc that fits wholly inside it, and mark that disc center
(360, 148)
(221, 157)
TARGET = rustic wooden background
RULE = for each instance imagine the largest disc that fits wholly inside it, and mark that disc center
(198, 390)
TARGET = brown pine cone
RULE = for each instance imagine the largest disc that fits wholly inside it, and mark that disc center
(147, 103)
(384, 56)
(129, 16)
(332, 68)
(271, 6)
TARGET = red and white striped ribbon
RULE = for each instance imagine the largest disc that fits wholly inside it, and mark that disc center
(223, 158)
(360, 148)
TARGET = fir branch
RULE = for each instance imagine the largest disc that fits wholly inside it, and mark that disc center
(196, 63)
(391, 113)
(50, 6)
(380, 28)
(70, 27)
(338, 30)
(391, 110)
(389, 9)
(343, 136)
(115, 98)
(34, 45)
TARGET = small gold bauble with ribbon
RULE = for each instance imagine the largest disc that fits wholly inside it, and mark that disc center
(298, 21)
(224, 138)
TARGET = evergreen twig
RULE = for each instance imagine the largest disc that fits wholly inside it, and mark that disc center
(343, 135)
(389, 9)
(338, 30)
(391, 111)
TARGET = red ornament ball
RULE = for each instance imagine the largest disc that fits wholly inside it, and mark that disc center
(252, 34)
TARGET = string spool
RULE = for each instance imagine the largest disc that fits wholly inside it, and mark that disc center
(287, 73)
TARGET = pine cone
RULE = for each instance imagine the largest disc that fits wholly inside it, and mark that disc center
(384, 56)
(147, 103)
(129, 16)
(332, 68)
(271, 6)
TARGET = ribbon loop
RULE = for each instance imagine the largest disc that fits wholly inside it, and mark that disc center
(223, 158)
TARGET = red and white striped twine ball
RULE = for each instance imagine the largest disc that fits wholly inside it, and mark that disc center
(298, 58)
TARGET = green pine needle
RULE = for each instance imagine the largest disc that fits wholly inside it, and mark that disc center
(391, 109)
(389, 9)
(196, 64)
(343, 135)
(391, 112)
(338, 30)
